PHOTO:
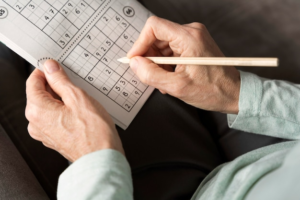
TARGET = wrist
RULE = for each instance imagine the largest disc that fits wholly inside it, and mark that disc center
(229, 87)
(110, 140)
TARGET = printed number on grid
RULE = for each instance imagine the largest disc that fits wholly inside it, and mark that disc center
(95, 59)
(60, 20)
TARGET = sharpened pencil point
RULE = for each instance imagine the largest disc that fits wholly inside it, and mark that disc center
(124, 60)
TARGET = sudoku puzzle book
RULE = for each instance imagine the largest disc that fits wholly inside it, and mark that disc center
(86, 37)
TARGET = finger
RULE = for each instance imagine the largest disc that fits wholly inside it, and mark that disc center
(34, 132)
(167, 52)
(38, 135)
(195, 25)
(36, 90)
(36, 82)
(48, 145)
(151, 74)
(53, 94)
(161, 44)
(156, 29)
(169, 68)
(154, 53)
(163, 92)
(58, 80)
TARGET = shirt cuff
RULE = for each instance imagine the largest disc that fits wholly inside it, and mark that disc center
(249, 100)
(104, 174)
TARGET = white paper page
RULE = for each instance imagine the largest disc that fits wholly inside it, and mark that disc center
(86, 37)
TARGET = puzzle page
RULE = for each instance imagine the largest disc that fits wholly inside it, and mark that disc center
(86, 37)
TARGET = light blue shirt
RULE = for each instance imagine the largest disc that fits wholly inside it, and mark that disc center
(266, 107)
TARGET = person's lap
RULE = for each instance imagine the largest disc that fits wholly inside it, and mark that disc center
(166, 144)
(45, 163)
(169, 150)
(242, 29)
(16, 179)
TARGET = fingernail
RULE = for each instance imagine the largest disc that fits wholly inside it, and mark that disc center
(51, 66)
(134, 64)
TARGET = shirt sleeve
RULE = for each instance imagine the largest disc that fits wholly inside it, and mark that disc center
(281, 183)
(268, 107)
(103, 174)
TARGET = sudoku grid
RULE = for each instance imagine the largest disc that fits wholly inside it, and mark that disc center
(95, 59)
(58, 19)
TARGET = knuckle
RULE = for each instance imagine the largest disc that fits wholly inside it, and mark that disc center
(196, 33)
(199, 26)
(197, 30)
(32, 132)
(30, 128)
(152, 20)
(46, 145)
(28, 82)
(31, 79)
(30, 113)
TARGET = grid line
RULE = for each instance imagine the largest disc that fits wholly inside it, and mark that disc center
(112, 79)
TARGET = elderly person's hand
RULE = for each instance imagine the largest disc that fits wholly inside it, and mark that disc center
(211, 88)
(74, 125)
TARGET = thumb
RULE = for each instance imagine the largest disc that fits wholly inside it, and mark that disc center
(57, 79)
(151, 74)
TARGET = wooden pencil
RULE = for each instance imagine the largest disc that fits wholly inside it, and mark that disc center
(215, 61)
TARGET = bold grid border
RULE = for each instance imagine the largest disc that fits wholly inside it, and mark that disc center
(57, 11)
(106, 64)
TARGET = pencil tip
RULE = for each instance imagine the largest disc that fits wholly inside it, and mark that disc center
(124, 60)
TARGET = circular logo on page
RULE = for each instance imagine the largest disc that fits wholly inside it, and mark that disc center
(128, 11)
(3, 12)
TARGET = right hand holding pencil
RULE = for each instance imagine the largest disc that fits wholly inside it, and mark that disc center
(211, 88)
